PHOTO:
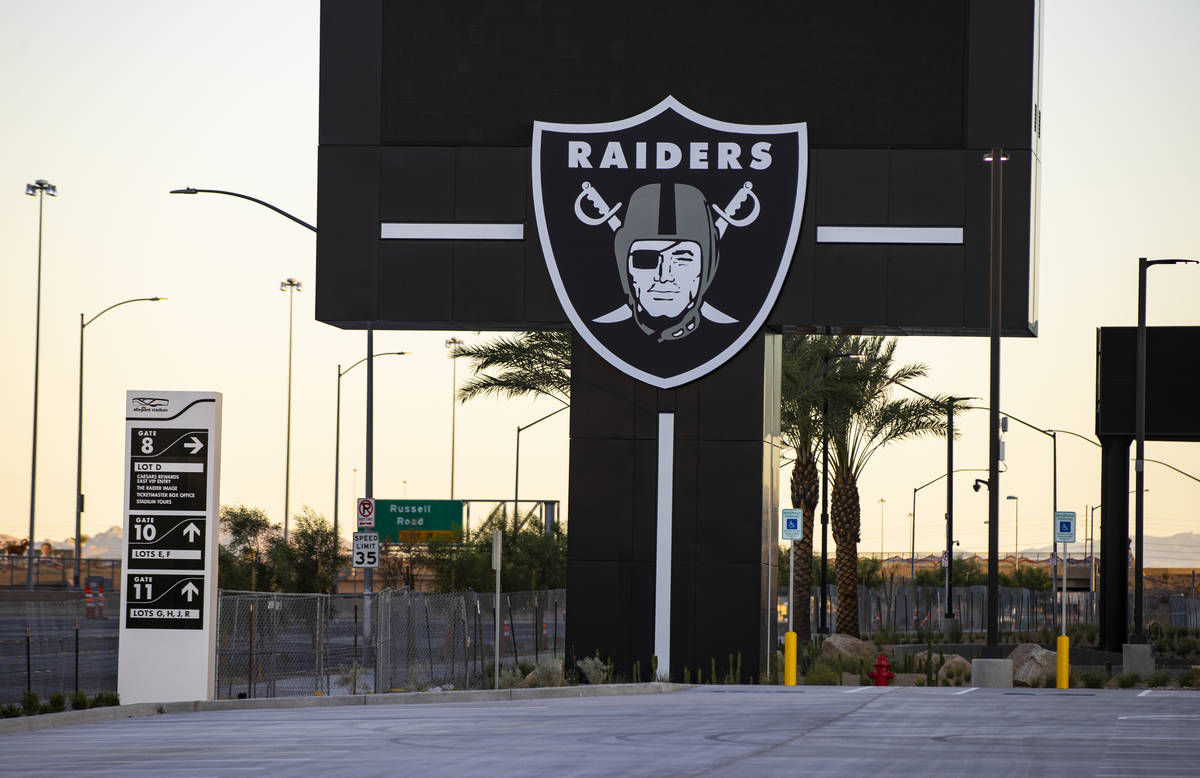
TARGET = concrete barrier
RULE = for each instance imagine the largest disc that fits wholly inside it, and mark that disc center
(992, 673)
(1137, 658)
(72, 717)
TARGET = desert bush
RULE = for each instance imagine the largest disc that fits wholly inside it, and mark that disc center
(58, 702)
(106, 699)
(1128, 680)
(1093, 678)
(1159, 678)
(29, 703)
(10, 711)
(594, 670)
(79, 701)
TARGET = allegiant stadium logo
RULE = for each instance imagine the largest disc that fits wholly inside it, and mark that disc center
(668, 235)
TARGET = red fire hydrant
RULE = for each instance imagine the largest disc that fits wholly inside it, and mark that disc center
(882, 672)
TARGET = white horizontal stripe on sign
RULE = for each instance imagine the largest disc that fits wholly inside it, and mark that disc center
(889, 234)
(450, 231)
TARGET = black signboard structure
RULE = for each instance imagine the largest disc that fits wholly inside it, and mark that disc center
(427, 211)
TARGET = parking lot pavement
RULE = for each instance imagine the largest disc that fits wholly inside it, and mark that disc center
(710, 730)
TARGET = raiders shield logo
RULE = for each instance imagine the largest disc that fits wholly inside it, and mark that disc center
(668, 235)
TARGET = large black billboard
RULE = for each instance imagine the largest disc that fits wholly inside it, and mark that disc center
(425, 202)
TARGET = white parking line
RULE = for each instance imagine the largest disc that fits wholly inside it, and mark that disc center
(967, 691)
(1143, 694)
(869, 688)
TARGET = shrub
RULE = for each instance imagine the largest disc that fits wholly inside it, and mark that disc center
(58, 702)
(1128, 680)
(79, 701)
(106, 699)
(10, 711)
(548, 672)
(823, 673)
(594, 670)
(1159, 678)
(1093, 678)
(29, 702)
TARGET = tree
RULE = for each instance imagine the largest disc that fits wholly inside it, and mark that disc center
(531, 560)
(245, 561)
(809, 380)
(311, 557)
(860, 424)
(527, 363)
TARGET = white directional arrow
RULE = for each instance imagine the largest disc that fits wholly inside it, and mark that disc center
(191, 530)
(194, 445)
(190, 590)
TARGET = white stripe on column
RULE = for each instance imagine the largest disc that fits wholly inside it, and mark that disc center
(889, 235)
(662, 553)
(450, 231)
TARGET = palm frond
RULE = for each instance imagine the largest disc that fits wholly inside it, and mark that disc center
(527, 363)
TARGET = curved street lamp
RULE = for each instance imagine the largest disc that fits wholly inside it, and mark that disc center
(291, 286)
(337, 444)
(39, 188)
(79, 434)
(191, 191)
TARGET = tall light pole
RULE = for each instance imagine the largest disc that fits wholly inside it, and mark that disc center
(39, 189)
(451, 343)
(337, 444)
(1016, 529)
(1139, 465)
(79, 433)
(995, 159)
(291, 286)
(949, 535)
(882, 500)
(517, 462)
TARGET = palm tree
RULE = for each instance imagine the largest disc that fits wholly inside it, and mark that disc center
(860, 424)
(526, 363)
(809, 380)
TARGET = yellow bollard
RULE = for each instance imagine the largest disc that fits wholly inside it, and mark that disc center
(789, 659)
(1064, 662)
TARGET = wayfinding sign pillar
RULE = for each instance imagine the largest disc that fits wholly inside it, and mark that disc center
(169, 597)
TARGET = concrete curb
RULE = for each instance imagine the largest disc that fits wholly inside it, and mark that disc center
(70, 718)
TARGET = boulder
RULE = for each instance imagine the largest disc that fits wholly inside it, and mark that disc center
(1032, 664)
(956, 667)
(848, 647)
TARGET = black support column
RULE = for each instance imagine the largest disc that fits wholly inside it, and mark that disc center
(1114, 541)
(725, 497)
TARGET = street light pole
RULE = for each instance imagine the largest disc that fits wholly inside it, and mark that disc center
(882, 500)
(337, 444)
(79, 432)
(517, 463)
(1139, 467)
(291, 286)
(450, 344)
(1016, 528)
(40, 189)
(995, 160)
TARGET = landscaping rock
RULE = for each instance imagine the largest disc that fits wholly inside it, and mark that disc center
(848, 647)
(1032, 664)
(956, 667)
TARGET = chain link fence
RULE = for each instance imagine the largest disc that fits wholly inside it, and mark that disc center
(52, 647)
(280, 645)
(57, 572)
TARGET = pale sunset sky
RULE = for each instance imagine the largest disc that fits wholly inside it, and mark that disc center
(117, 103)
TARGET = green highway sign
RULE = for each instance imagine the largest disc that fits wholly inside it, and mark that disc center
(419, 521)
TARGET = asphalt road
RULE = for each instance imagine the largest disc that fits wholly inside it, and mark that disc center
(711, 730)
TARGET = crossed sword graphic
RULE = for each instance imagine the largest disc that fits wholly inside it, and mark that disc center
(724, 221)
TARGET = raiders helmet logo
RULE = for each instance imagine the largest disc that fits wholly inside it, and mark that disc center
(668, 235)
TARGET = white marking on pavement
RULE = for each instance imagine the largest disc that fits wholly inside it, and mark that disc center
(967, 691)
(868, 688)
(1143, 694)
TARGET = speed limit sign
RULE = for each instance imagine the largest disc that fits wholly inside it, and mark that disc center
(366, 513)
(366, 550)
